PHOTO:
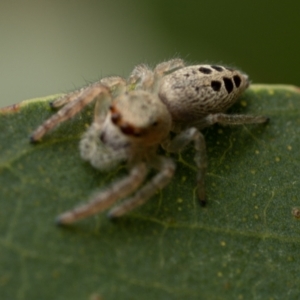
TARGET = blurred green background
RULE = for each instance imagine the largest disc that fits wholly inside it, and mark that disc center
(49, 47)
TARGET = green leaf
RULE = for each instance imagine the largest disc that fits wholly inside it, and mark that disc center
(243, 245)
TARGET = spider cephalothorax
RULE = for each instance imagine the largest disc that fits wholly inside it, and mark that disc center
(134, 117)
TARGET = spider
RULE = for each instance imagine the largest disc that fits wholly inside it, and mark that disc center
(134, 117)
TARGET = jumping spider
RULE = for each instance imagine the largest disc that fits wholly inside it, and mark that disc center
(134, 117)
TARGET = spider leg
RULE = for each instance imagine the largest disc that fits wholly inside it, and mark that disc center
(65, 99)
(68, 111)
(180, 142)
(159, 181)
(113, 82)
(227, 119)
(141, 77)
(116, 84)
(168, 66)
(164, 68)
(106, 198)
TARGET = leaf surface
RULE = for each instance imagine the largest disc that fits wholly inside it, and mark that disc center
(243, 245)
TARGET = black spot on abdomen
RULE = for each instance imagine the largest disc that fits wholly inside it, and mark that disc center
(228, 84)
(237, 80)
(217, 68)
(205, 70)
(216, 85)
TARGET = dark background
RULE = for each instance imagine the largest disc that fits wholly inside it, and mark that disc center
(49, 47)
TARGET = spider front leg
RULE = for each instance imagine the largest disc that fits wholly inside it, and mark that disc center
(65, 99)
(106, 198)
(179, 143)
(100, 92)
(114, 83)
(166, 171)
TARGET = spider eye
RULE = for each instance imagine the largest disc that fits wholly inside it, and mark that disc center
(155, 123)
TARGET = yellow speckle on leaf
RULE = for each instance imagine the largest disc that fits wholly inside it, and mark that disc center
(223, 244)
(256, 207)
(179, 200)
(289, 147)
(4, 280)
(220, 131)
(277, 159)
(253, 172)
(271, 92)
(183, 178)
(256, 217)
(256, 152)
(95, 296)
(243, 103)
(55, 274)
(220, 274)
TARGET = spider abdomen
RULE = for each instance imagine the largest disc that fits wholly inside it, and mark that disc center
(196, 91)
